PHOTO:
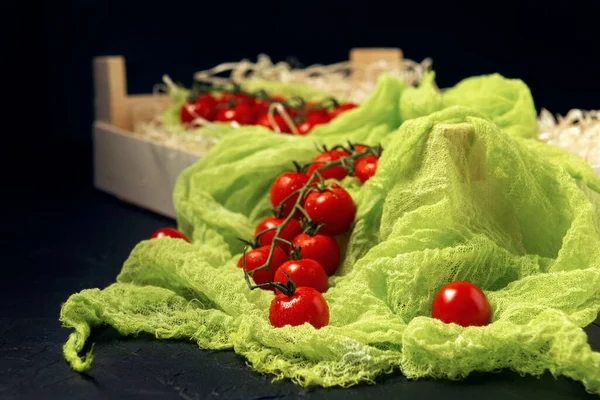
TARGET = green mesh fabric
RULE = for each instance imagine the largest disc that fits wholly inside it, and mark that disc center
(455, 198)
(507, 102)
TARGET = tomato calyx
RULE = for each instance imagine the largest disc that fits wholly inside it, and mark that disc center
(295, 253)
(312, 228)
(287, 289)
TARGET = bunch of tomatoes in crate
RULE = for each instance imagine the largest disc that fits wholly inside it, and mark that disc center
(294, 251)
(246, 108)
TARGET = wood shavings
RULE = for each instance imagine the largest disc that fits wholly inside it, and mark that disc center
(578, 133)
(196, 142)
(332, 79)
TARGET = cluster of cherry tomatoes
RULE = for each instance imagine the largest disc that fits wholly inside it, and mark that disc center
(295, 251)
(246, 109)
(308, 215)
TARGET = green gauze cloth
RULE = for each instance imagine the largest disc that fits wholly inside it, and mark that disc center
(454, 198)
(506, 102)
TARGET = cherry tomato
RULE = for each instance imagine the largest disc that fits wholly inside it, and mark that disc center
(461, 303)
(310, 122)
(237, 98)
(258, 257)
(262, 106)
(242, 114)
(338, 172)
(322, 112)
(303, 273)
(169, 232)
(332, 207)
(342, 108)
(285, 185)
(205, 107)
(208, 106)
(365, 168)
(359, 148)
(321, 248)
(291, 230)
(305, 305)
(263, 120)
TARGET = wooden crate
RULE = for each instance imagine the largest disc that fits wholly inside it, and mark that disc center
(128, 166)
(136, 169)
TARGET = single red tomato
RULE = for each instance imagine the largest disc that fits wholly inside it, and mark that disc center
(263, 120)
(262, 106)
(258, 257)
(203, 107)
(291, 230)
(338, 172)
(359, 148)
(365, 168)
(169, 232)
(332, 207)
(314, 109)
(241, 113)
(310, 122)
(321, 248)
(461, 303)
(286, 184)
(342, 108)
(237, 98)
(303, 273)
(305, 305)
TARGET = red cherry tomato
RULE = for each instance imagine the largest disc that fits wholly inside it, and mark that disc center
(332, 207)
(461, 303)
(322, 112)
(303, 273)
(338, 172)
(310, 122)
(321, 248)
(365, 168)
(263, 120)
(285, 185)
(342, 108)
(262, 106)
(205, 107)
(359, 148)
(169, 232)
(237, 98)
(242, 114)
(305, 305)
(291, 230)
(208, 107)
(258, 257)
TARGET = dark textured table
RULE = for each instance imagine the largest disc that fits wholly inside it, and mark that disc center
(64, 239)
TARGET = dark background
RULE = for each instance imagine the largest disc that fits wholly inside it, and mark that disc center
(60, 236)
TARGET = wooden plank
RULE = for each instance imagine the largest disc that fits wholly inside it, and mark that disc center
(362, 60)
(145, 107)
(136, 170)
(110, 86)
